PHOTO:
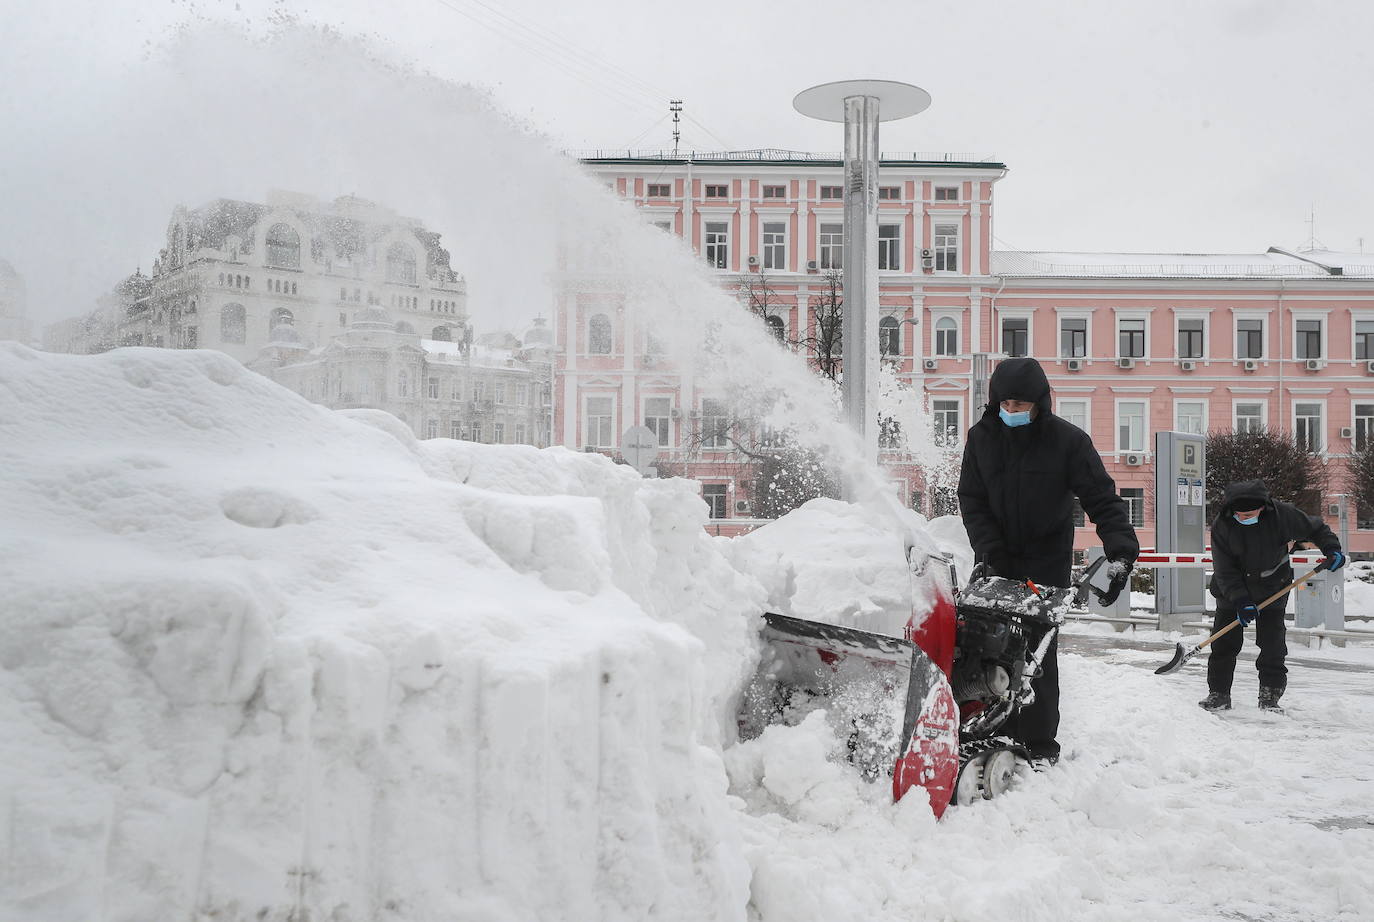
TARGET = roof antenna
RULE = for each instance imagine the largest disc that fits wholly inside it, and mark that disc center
(675, 107)
(1313, 243)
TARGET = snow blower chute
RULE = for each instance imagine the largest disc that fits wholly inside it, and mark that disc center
(924, 709)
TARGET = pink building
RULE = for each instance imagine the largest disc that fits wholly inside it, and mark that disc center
(1133, 343)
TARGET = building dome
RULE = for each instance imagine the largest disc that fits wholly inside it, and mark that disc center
(538, 335)
(285, 335)
(373, 317)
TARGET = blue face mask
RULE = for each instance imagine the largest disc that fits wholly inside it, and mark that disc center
(1015, 419)
(1254, 520)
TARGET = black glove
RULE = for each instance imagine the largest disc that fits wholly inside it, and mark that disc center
(1334, 561)
(999, 563)
(1246, 612)
(1119, 574)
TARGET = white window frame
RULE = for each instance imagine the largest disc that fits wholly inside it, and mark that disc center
(455, 429)
(939, 249)
(1137, 521)
(937, 432)
(937, 188)
(1355, 418)
(522, 435)
(1264, 410)
(766, 248)
(1263, 318)
(1017, 313)
(1087, 410)
(1063, 314)
(498, 432)
(1144, 425)
(1206, 318)
(587, 441)
(936, 316)
(1356, 318)
(724, 438)
(431, 428)
(1144, 319)
(892, 244)
(650, 186)
(665, 438)
(1206, 412)
(827, 251)
(1321, 419)
(1321, 316)
(708, 243)
(610, 350)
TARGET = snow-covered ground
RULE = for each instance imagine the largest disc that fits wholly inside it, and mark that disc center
(263, 661)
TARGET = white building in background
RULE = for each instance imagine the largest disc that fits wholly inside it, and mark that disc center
(14, 307)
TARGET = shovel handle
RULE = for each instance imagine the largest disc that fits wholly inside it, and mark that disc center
(1267, 602)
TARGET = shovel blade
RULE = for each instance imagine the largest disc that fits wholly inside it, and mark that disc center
(1181, 656)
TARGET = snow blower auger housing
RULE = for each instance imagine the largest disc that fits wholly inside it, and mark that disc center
(924, 709)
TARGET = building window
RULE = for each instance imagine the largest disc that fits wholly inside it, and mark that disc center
(455, 429)
(1190, 339)
(947, 247)
(441, 335)
(1364, 425)
(714, 495)
(1307, 339)
(1307, 426)
(521, 434)
(1364, 339)
(1130, 336)
(1079, 519)
(718, 244)
(775, 245)
(500, 389)
(475, 432)
(1135, 505)
(283, 247)
(1073, 337)
(830, 246)
(1249, 417)
(1016, 336)
(660, 190)
(889, 336)
(1190, 416)
(657, 415)
(599, 422)
(775, 192)
(1249, 339)
(400, 264)
(433, 391)
(945, 421)
(478, 391)
(432, 429)
(832, 193)
(1074, 411)
(717, 190)
(522, 395)
(498, 433)
(776, 326)
(890, 247)
(599, 335)
(715, 424)
(946, 336)
(946, 193)
(233, 324)
(402, 384)
(889, 193)
(1130, 425)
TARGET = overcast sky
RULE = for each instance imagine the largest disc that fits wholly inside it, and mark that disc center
(1162, 126)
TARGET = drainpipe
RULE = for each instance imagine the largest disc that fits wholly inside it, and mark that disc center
(1279, 336)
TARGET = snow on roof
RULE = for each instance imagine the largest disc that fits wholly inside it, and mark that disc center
(1270, 265)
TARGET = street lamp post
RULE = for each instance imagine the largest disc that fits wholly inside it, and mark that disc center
(861, 105)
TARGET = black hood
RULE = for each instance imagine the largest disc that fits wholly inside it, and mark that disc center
(1019, 379)
(1244, 494)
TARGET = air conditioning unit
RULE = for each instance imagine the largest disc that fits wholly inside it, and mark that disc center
(930, 364)
(1313, 365)
(1347, 432)
(1125, 363)
(927, 254)
(1369, 368)
(1187, 365)
(928, 263)
(1074, 364)
(649, 360)
(675, 413)
(753, 260)
(1249, 365)
(741, 507)
(1333, 510)
(811, 265)
(1134, 460)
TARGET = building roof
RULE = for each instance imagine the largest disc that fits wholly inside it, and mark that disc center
(777, 157)
(1277, 263)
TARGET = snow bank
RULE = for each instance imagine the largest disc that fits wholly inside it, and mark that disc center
(261, 660)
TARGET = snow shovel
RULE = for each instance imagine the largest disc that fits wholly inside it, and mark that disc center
(1182, 656)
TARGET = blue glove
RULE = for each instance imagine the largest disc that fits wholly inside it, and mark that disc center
(1335, 560)
(1246, 612)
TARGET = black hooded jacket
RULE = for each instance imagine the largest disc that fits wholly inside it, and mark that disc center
(1017, 485)
(1250, 562)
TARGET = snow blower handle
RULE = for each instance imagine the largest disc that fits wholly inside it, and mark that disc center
(1182, 656)
(1084, 582)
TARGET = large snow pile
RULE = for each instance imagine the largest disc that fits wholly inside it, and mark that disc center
(262, 660)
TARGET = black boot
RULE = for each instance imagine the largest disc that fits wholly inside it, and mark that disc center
(1269, 698)
(1215, 701)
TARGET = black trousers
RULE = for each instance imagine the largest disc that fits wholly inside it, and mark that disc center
(1036, 727)
(1270, 635)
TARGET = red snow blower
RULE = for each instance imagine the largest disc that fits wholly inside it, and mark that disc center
(925, 709)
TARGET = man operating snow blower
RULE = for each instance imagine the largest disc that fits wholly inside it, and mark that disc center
(1250, 548)
(1022, 468)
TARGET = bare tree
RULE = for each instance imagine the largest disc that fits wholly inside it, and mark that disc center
(824, 335)
(1291, 472)
(1359, 469)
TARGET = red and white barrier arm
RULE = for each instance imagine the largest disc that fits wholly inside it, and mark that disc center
(1154, 559)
